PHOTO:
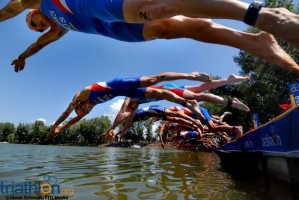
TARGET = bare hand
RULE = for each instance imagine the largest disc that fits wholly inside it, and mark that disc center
(108, 134)
(53, 132)
(19, 64)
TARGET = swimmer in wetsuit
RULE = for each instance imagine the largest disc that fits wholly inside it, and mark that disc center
(136, 21)
(207, 97)
(237, 130)
(167, 126)
(133, 103)
(84, 101)
(159, 112)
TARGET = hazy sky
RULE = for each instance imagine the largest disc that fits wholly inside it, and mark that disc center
(51, 78)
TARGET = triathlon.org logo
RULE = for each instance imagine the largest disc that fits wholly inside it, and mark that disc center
(271, 140)
(46, 187)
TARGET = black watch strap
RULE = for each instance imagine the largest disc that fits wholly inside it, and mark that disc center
(252, 12)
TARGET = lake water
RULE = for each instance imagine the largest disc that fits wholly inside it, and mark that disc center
(125, 173)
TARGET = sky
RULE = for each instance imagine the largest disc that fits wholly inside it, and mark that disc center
(44, 89)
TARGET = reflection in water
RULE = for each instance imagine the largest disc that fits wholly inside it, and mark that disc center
(124, 173)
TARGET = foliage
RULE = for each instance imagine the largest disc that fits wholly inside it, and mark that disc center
(39, 132)
(6, 129)
(135, 132)
(140, 131)
(267, 87)
(85, 132)
(23, 133)
(149, 136)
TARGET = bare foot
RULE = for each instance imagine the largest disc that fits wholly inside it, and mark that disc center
(280, 22)
(239, 105)
(227, 113)
(192, 105)
(267, 48)
(203, 77)
(234, 78)
(53, 132)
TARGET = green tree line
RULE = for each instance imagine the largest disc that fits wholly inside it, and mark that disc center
(86, 132)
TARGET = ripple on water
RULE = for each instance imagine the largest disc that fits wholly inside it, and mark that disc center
(120, 173)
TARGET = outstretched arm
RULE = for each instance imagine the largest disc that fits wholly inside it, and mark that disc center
(52, 35)
(123, 113)
(161, 132)
(153, 120)
(76, 100)
(120, 117)
(55, 130)
(127, 124)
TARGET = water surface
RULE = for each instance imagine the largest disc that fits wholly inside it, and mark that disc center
(126, 173)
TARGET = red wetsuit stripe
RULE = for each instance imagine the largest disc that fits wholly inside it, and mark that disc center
(59, 5)
(177, 91)
(97, 87)
(175, 108)
(157, 86)
(186, 111)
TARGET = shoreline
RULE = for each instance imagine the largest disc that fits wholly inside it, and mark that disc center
(192, 145)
